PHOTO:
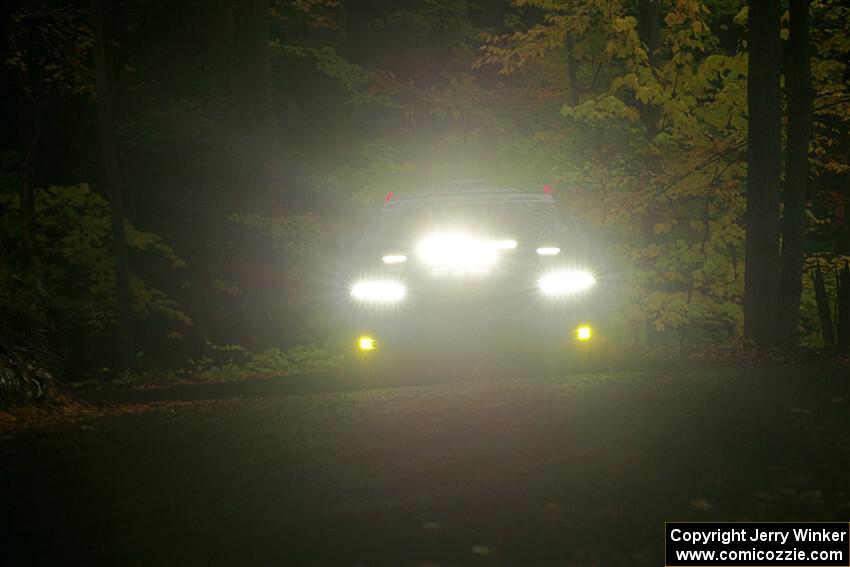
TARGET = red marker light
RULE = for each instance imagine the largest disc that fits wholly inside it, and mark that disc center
(388, 197)
(547, 188)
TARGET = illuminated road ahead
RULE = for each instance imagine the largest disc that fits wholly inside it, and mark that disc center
(575, 470)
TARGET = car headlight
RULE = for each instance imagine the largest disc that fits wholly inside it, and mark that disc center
(457, 251)
(566, 282)
(378, 291)
(394, 259)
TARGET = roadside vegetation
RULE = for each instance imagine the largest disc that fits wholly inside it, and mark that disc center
(161, 226)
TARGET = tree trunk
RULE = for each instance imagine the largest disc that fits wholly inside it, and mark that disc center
(572, 70)
(341, 126)
(827, 331)
(112, 178)
(798, 91)
(649, 30)
(843, 306)
(26, 190)
(761, 271)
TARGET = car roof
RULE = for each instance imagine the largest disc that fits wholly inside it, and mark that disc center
(479, 197)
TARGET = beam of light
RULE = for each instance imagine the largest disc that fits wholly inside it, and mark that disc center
(583, 332)
(566, 282)
(378, 291)
(366, 343)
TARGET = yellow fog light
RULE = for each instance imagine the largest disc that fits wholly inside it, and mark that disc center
(583, 332)
(366, 343)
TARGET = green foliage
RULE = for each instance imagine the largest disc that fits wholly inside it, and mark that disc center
(235, 362)
(650, 147)
(362, 85)
(672, 187)
(223, 363)
(75, 284)
(831, 35)
(296, 360)
(656, 144)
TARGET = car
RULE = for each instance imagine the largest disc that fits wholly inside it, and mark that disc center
(470, 277)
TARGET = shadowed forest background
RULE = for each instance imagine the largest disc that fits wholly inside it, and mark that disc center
(182, 182)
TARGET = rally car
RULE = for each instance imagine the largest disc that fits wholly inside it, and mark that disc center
(481, 274)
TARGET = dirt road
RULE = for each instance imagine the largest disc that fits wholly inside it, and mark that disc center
(578, 470)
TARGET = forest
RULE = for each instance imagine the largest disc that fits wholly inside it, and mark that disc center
(181, 182)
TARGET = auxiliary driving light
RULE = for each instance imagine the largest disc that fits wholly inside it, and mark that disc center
(378, 291)
(583, 332)
(566, 283)
(366, 343)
